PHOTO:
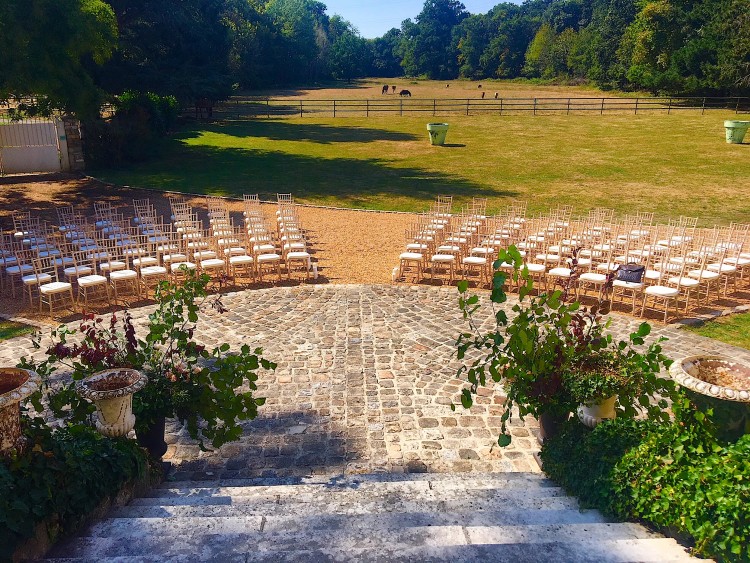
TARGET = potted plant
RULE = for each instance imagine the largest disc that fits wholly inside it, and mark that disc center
(553, 356)
(438, 132)
(186, 381)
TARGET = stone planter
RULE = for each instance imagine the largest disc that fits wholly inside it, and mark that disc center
(15, 385)
(112, 393)
(735, 131)
(437, 131)
(550, 425)
(719, 383)
(152, 438)
(592, 415)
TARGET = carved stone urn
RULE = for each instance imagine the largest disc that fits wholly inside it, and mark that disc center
(15, 385)
(720, 383)
(112, 393)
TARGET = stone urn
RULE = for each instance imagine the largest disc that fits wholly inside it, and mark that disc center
(720, 383)
(592, 415)
(112, 393)
(15, 385)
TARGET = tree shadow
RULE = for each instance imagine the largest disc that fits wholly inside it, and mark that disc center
(282, 130)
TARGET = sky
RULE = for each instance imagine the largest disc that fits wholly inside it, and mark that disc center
(374, 17)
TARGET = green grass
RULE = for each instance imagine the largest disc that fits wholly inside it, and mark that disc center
(10, 329)
(734, 329)
(670, 164)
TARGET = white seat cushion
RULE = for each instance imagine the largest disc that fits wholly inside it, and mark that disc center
(153, 271)
(112, 266)
(54, 287)
(175, 266)
(88, 281)
(240, 259)
(177, 257)
(627, 284)
(411, 256)
(235, 251)
(684, 282)
(145, 261)
(22, 268)
(536, 268)
(34, 279)
(298, 256)
(271, 257)
(212, 263)
(722, 268)
(662, 291)
(474, 261)
(559, 272)
(77, 271)
(123, 275)
(703, 274)
(593, 277)
(443, 258)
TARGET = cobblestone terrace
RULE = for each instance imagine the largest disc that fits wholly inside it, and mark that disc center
(365, 378)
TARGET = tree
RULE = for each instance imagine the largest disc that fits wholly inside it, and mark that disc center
(383, 58)
(48, 48)
(539, 53)
(429, 43)
(348, 54)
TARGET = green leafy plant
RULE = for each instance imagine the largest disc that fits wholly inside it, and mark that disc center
(553, 355)
(676, 475)
(200, 387)
(60, 477)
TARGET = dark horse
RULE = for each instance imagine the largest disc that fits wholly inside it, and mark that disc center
(404, 93)
(385, 89)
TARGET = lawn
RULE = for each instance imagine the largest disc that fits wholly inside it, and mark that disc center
(670, 164)
(734, 329)
(10, 329)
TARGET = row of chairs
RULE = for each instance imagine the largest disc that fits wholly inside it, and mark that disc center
(671, 266)
(110, 255)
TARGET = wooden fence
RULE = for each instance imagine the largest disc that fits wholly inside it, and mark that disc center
(248, 107)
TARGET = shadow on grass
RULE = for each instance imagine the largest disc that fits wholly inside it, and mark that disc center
(232, 172)
(278, 130)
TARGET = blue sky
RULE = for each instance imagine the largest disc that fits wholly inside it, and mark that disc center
(374, 17)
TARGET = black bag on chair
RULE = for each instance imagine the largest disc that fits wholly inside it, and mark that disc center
(632, 273)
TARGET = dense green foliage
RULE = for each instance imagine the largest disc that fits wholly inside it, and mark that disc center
(64, 474)
(71, 53)
(678, 476)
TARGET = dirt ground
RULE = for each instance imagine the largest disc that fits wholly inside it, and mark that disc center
(349, 246)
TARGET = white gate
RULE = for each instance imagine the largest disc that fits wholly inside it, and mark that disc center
(30, 145)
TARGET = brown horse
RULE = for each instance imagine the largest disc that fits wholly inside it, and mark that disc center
(384, 90)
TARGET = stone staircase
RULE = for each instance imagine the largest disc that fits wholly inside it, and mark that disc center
(416, 517)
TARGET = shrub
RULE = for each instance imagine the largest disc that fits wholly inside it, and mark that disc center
(64, 474)
(133, 133)
(677, 476)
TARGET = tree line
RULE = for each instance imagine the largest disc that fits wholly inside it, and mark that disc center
(74, 54)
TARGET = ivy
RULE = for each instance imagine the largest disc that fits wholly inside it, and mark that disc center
(678, 476)
(65, 474)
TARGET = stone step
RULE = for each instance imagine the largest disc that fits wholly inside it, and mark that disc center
(543, 487)
(338, 503)
(559, 543)
(351, 480)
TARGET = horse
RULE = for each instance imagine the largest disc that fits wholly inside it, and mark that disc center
(483, 95)
(384, 90)
(496, 95)
(394, 89)
(403, 93)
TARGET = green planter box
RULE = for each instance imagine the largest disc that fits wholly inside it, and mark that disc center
(736, 131)
(437, 131)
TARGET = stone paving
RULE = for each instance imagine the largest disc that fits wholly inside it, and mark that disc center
(364, 383)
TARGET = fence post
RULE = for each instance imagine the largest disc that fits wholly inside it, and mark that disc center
(501, 106)
(737, 107)
(434, 106)
(300, 108)
(636, 106)
(467, 106)
(534, 106)
(334, 108)
(669, 107)
(367, 108)
(568, 112)
(268, 108)
(703, 107)
(601, 112)
(401, 107)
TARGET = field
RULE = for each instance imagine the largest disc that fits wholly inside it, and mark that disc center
(671, 164)
(734, 330)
